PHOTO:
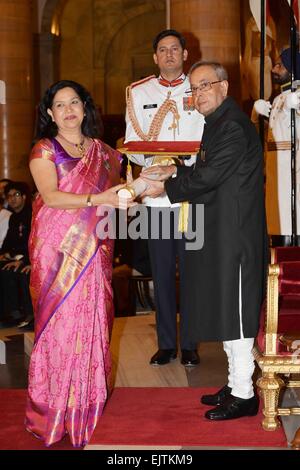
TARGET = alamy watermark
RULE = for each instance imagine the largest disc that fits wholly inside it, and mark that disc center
(151, 222)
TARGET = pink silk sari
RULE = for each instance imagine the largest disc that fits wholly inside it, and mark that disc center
(70, 367)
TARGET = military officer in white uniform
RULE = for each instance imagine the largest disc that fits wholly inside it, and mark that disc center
(278, 155)
(161, 109)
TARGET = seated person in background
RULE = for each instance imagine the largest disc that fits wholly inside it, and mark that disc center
(4, 218)
(3, 183)
(133, 259)
(15, 301)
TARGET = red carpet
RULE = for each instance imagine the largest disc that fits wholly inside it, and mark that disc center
(174, 416)
(144, 416)
(13, 435)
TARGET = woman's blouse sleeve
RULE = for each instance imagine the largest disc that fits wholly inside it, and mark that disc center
(43, 149)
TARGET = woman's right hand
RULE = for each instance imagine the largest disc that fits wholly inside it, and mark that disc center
(110, 198)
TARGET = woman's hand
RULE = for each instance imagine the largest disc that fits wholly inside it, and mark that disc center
(110, 198)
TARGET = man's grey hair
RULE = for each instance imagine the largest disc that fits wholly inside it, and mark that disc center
(221, 72)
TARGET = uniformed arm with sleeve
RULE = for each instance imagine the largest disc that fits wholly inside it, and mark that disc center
(131, 136)
(224, 153)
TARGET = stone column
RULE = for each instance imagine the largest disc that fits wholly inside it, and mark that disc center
(212, 30)
(48, 54)
(16, 115)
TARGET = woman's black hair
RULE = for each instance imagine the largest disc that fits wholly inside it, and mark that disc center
(46, 128)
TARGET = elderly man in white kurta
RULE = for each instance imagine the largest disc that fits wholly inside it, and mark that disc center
(161, 109)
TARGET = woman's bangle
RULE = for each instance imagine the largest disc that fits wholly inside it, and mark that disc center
(89, 202)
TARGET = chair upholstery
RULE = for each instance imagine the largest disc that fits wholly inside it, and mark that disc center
(277, 347)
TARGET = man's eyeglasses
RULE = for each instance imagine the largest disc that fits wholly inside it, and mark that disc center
(204, 86)
(16, 194)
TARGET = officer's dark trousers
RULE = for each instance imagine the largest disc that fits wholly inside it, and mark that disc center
(14, 293)
(164, 252)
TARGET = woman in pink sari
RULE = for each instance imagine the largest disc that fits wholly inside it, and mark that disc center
(70, 368)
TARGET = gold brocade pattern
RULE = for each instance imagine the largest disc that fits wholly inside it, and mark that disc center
(78, 344)
(72, 399)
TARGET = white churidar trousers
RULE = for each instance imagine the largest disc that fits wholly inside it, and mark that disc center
(240, 360)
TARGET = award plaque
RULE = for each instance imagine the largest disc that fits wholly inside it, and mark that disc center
(163, 153)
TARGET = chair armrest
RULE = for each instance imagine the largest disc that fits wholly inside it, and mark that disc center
(272, 309)
(283, 279)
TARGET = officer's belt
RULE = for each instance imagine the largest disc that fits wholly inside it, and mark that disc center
(279, 145)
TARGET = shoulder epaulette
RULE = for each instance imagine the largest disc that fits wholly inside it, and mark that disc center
(143, 80)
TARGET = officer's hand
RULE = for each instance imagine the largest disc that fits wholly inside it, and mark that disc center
(292, 100)
(263, 107)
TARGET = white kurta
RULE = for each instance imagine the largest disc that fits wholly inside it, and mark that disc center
(147, 98)
(278, 169)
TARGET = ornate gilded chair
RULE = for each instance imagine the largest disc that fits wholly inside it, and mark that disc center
(277, 348)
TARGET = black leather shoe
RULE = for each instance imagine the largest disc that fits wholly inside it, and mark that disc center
(163, 356)
(232, 408)
(218, 398)
(189, 358)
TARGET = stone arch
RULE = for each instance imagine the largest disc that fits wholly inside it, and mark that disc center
(133, 65)
(87, 31)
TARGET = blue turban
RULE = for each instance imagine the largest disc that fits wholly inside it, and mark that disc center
(286, 58)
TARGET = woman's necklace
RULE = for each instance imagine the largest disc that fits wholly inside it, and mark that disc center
(79, 147)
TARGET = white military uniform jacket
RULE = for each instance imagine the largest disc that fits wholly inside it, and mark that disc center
(278, 168)
(148, 96)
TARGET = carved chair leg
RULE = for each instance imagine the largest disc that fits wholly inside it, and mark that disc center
(295, 444)
(270, 385)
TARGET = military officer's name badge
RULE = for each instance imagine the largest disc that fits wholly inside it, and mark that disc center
(149, 106)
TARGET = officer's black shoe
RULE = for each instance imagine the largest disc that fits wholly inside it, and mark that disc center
(216, 399)
(233, 408)
(189, 357)
(163, 356)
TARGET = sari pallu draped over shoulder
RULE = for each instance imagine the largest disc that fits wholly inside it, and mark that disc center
(72, 299)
